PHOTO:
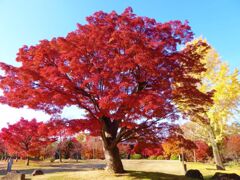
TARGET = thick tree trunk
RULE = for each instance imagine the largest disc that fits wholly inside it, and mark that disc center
(113, 160)
(216, 152)
(27, 161)
(110, 141)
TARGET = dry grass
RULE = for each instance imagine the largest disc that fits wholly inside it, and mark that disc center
(93, 169)
(208, 170)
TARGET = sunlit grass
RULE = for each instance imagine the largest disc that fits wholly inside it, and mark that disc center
(208, 170)
(136, 169)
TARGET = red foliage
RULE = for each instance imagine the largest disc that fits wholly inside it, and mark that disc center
(25, 138)
(118, 68)
(59, 129)
(232, 147)
(2, 147)
(148, 149)
(202, 151)
(173, 145)
(77, 148)
(92, 148)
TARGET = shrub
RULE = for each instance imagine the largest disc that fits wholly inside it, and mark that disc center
(174, 157)
(160, 158)
(52, 160)
(136, 156)
(123, 155)
(152, 157)
(233, 163)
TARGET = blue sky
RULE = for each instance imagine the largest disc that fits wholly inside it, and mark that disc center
(28, 21)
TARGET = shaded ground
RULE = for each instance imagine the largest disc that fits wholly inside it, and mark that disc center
(93, 169)
(48, 167)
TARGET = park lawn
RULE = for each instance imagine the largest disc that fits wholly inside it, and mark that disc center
(208, 170)
(136, 169)
(130, 175)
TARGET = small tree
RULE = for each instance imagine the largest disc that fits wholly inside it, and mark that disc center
(203, 151)
(174, 145)
(148, 149)
(231, 147)
(77, 148)
(60, 130)
(3, 150)
(26, 138)
(92, 148)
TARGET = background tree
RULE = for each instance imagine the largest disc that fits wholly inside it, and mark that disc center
(49, 151)
(176, 145)
(26, 138)
(148, 149)
(125, 149)
(226, 87)
(123, 70)
(231, 147)
(77, 148)
(203, 152)
(3, 150)
(191, 130)
(68, 147)
(92, 148)
(60, 130)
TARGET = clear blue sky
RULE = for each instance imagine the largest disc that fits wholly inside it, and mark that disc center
(28, 21)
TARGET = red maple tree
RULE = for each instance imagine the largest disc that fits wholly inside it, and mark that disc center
(92, 148)
(60, 130)
(231, 147)
(125, 71)
(25, 138)
(148, 149)
(176, 145)
(202, 150)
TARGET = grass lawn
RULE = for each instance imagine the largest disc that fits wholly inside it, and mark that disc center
(93, 169)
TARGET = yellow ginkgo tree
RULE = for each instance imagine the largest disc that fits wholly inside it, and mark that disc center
(225, 86)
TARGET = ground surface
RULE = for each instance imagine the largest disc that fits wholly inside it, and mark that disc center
(93, 169)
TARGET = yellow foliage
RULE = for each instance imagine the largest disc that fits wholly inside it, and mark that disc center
(226, 86)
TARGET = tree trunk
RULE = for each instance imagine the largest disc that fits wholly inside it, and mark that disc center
(113, 160)
(77, 157)
(194, 155)
(183, 159)
(111, 152)
(216, 152)
(27, 161)
(60, 156)
(5, 156)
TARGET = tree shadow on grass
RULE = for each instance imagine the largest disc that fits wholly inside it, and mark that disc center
(153, 175)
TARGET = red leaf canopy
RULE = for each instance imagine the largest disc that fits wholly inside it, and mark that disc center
(25, 138)
(120, 66)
